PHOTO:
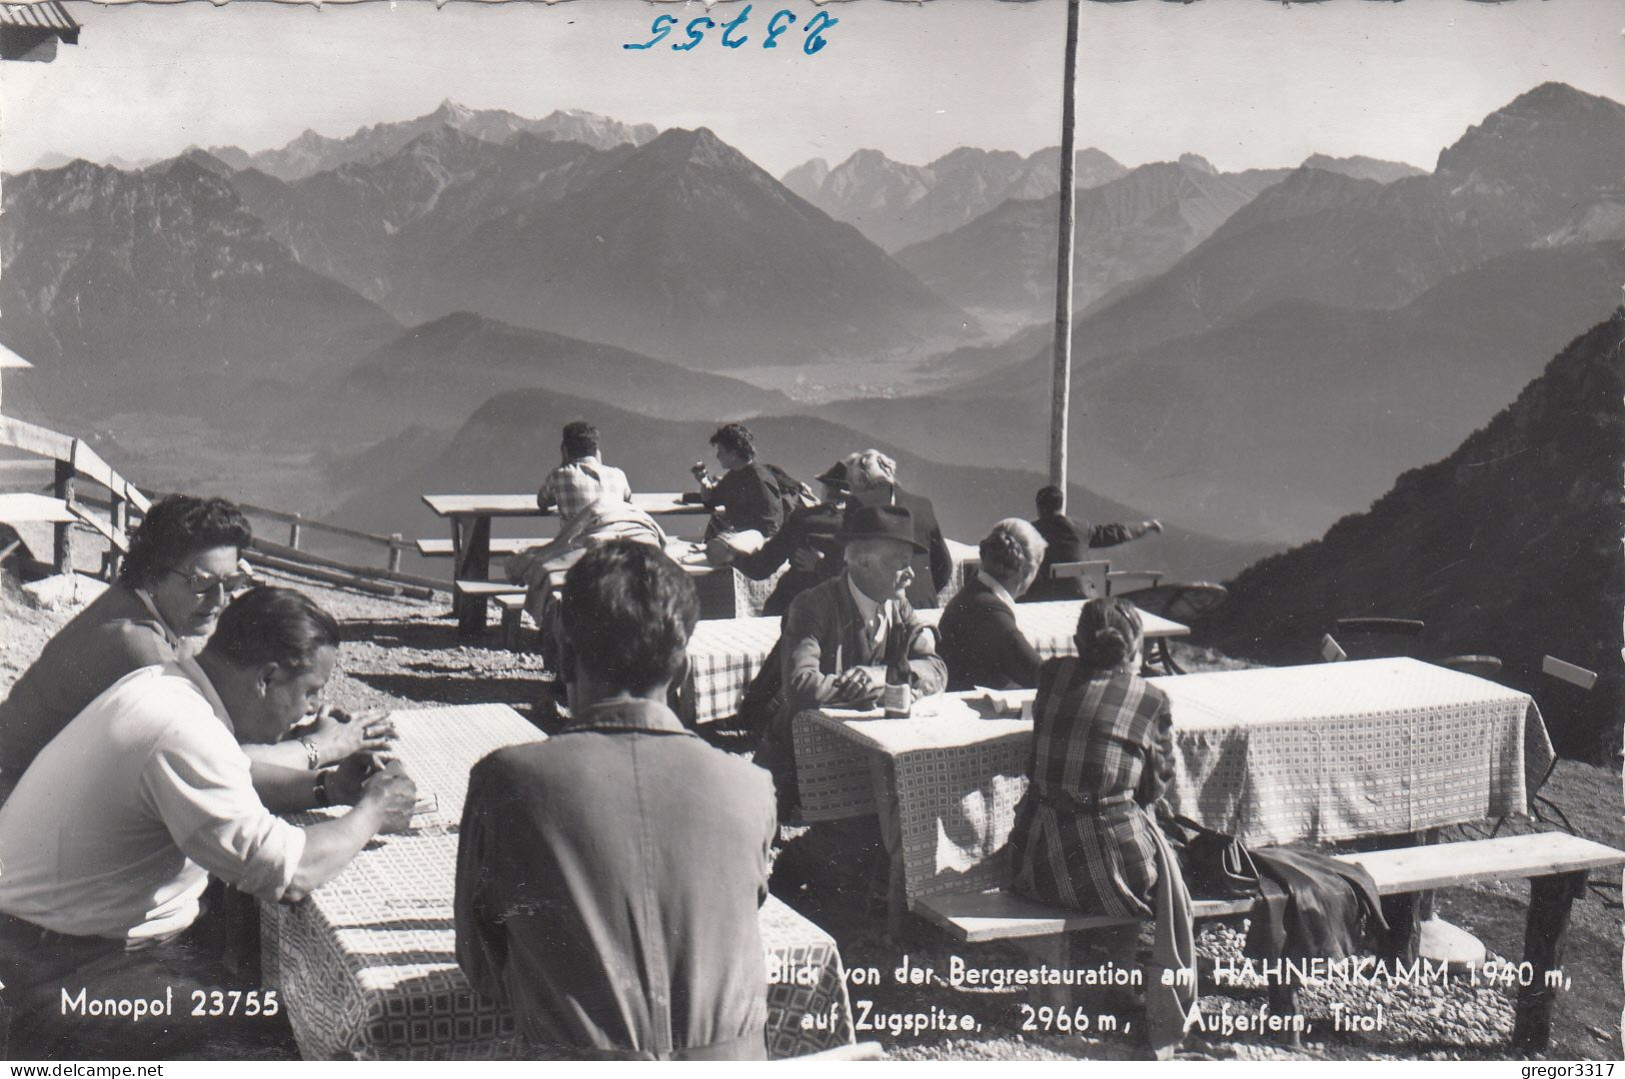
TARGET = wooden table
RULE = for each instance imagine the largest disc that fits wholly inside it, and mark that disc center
(471, 517)
(367, 968)
(1325, 752)
(725, 654)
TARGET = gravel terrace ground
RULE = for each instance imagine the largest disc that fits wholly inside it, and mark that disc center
(405, 654)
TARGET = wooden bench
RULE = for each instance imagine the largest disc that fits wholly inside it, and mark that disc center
(510, 600)
(1119, 581)
(1555, 863)
(442, 548)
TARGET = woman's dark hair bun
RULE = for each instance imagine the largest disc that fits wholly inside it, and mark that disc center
(1108, 632)
(1107, 648)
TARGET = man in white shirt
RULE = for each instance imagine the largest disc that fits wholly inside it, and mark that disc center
(108, 840)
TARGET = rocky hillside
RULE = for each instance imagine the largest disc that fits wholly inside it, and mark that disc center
(1510, 546)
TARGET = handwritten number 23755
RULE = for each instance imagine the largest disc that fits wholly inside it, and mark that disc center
(733, 39)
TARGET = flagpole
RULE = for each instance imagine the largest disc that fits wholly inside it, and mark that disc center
(1061, 391)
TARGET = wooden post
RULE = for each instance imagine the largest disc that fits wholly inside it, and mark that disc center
(394, 552)
(62, 555)
(293, 532)
(1061, 391)
(1550, 900)
(121, 527)
(473, 563)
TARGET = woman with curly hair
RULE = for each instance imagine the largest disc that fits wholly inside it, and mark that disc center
(981, 642)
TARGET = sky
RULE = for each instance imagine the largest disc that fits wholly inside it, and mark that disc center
(1245, 83)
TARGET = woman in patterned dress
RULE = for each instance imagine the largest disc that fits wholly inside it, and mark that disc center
(1102, 755)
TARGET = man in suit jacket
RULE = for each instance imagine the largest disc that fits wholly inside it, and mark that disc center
(844, 640)
(872, 477)
(981, 642)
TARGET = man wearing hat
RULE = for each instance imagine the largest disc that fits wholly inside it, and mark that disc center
(845, 639)
(807, 541)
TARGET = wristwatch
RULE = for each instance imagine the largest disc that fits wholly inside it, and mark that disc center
(323, 799)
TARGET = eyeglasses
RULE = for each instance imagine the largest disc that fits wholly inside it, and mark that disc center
(203, 583)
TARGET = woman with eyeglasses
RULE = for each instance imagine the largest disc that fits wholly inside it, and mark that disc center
(181, 571)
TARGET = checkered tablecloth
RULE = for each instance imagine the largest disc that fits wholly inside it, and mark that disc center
(725, 654)
(1325, 752)
(367, 966)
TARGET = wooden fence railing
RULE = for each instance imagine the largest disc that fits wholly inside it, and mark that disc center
(125, 504)
(74, 461)
(298, 522)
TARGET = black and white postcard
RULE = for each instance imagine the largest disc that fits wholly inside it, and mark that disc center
(447, 300)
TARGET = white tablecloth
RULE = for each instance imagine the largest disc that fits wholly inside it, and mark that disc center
(1324, 752)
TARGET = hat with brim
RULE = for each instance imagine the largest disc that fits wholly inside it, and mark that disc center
(835, 476)
(879, 522)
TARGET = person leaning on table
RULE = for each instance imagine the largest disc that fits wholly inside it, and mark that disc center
(1084, 836)
(806, 542)
(981, 642)
(581, 477)
(609, 878)
(109, 838)
(181, 570)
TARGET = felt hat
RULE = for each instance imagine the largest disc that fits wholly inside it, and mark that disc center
(834, 476)
(879, 522)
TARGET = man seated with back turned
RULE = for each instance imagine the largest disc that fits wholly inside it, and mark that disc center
(845, 639)
(1069, 539)
(609, 878)
(581, 478)
(109, 838)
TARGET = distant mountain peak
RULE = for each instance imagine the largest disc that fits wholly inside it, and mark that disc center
(699, 146)
(451, 112)
(1554, 95)
(1553, 131)
(1199, 163)
(205, 160)
(866, 158)
(1363, 168)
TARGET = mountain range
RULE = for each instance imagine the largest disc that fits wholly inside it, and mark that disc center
(1002, 264)
(680, 248)
(1249, 392)
(1261, 352)
(689, 251)
(1508, 546)
(311, 153)
(896, 204)
(158, 288)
